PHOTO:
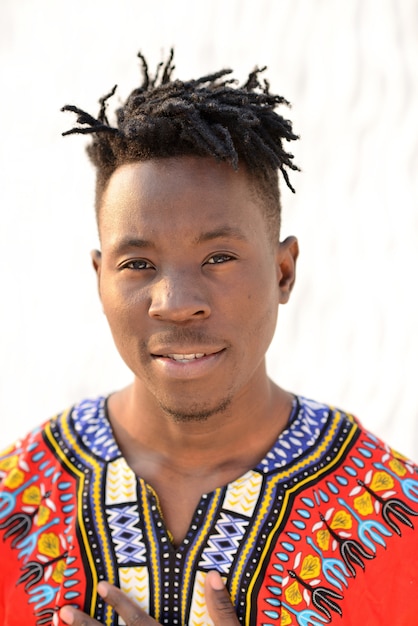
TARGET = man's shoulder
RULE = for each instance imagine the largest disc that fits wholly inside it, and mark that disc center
(323, 418)
(353, 501)
(82, 419)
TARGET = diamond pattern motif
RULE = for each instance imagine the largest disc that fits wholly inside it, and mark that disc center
(126, 534)
(222, 546)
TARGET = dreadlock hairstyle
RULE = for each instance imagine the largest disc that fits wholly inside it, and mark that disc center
(207, 117)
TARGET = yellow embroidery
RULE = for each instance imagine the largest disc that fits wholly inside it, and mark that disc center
(43, 516)
(397, 467)
(49, 545)
(32, 495)
(14, 479)
(311, 567)
(9, 463)
(341, 520)
(323, 537)
(382, 481)
(292, 593)
(286, 618)
(59, 570)
(363, 504)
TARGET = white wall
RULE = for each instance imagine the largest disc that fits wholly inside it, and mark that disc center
(351, 69)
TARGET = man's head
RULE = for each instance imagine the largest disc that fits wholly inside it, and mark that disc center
(190, 271)
(206, 117)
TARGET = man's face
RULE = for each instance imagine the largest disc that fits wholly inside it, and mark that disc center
(190, 281)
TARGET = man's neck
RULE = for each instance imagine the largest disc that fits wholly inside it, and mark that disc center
(183, 460)
(237, 436)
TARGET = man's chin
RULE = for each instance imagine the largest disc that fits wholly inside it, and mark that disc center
(195, 413)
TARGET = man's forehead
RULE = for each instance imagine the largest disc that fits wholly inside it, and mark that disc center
(206, 169)
(199, 195)
(200, 181)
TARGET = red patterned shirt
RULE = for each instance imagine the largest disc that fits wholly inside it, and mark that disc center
(321, 531)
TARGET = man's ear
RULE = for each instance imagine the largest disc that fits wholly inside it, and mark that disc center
(96, 259)
(287, 254)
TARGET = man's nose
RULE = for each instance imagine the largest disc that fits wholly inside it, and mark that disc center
(179, 297)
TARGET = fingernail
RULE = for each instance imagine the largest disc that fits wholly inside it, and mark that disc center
(103, 589)
(216, 581)
(67, 615)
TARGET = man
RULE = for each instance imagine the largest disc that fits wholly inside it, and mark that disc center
(203, 492)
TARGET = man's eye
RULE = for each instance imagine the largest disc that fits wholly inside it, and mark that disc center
(219, 258)
(139, 264)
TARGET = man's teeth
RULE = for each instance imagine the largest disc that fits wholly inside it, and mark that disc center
(183, 358)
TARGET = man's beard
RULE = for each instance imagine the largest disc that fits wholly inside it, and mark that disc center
(195, 413)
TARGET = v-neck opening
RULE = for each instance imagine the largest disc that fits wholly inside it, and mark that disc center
(206, 499)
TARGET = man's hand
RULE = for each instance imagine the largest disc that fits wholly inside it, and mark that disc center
(219, 606)
(218, 601)
(124, 606)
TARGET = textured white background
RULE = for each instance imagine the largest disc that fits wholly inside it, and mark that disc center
(350, 67)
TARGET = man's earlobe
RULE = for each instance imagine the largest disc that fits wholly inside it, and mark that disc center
(96, 258)
(287, 255)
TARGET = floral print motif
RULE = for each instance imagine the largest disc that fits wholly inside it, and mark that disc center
(290, 537)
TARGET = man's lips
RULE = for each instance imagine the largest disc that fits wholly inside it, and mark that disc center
(187, 363)
(184, 358)
(185, 355)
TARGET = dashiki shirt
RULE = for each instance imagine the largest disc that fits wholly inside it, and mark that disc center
(320, 531)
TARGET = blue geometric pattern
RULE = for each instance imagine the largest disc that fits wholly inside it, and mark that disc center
(308, 417)
(222, 546)
(126, 534)
(302, 433)
(91, 423)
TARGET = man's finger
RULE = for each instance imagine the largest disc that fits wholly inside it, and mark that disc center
(124, 606)
(70, 615)
(218, 601)
(130, 612)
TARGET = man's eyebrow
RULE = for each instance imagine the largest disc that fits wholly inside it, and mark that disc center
(133, 242)
(217, 233)
(221, 232)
